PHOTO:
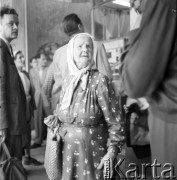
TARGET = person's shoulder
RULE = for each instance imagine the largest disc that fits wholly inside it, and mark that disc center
(60, 53)
(2, 43)
(61, 49)
(32, 71)
(170, 3)
(98, 43)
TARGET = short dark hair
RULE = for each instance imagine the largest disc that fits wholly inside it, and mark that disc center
(7, 10)
(31, 59)
(70, 24)
(39, 54)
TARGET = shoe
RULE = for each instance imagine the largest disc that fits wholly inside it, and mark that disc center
(35, 145)
(31, 161)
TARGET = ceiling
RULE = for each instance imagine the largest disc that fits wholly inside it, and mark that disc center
(110, 4)
(98, 3)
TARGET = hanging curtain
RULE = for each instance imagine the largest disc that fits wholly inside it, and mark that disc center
(111, 24)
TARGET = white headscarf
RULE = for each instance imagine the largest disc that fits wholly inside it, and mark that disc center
(77, 73)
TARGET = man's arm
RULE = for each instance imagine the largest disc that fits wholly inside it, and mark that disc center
(145, 64)
(31, 92)
(3, 95)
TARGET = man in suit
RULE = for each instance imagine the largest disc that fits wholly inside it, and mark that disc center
(150, 70)
(58, 70)
(37, 76)
(12, 95)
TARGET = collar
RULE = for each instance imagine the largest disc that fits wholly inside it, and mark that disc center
(7, 43)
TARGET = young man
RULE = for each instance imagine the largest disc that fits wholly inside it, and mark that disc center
(59, 68)
(30, 106)
(12, 94)
(37, 76)
(33, 63)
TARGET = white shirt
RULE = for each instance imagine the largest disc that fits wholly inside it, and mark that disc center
(25, 82)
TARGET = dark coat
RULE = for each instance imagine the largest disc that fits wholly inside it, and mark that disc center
(12, 94)
(150, 66)
(31, 92)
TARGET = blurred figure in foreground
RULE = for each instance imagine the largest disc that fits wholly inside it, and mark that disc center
(150, 70)
(37, 76)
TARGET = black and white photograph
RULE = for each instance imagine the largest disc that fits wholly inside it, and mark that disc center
(88, 89)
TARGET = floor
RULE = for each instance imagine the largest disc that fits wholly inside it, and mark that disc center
(37, 172)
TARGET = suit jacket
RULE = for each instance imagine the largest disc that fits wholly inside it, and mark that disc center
(12, 95)
(150, 67)
(32, 104)
(58, 70)
(37, 86)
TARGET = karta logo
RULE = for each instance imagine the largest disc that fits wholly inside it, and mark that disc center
(167, 171)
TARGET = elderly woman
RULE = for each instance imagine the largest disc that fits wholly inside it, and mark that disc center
(91, 127)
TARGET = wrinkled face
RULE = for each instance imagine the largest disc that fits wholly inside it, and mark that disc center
(42, 61)
(83, 51)
(9, 27)
(20, 61)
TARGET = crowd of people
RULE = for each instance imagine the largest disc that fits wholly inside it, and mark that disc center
(76, 90)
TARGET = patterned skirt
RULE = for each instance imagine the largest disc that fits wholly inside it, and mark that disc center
(83, 148)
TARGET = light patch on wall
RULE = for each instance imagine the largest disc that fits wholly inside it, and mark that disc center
(122, 2)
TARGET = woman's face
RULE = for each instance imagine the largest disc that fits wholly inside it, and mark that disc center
(20, 60)
(83, 51)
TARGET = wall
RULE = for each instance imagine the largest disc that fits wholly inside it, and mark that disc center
(115, 24)
(44, 21)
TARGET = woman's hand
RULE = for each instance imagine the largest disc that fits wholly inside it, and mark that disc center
(52, 121)
(3, 134)
(108, 163)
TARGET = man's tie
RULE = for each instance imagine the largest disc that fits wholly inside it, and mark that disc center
(11, 51)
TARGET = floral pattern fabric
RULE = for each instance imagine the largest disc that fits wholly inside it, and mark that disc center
(91, 126)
